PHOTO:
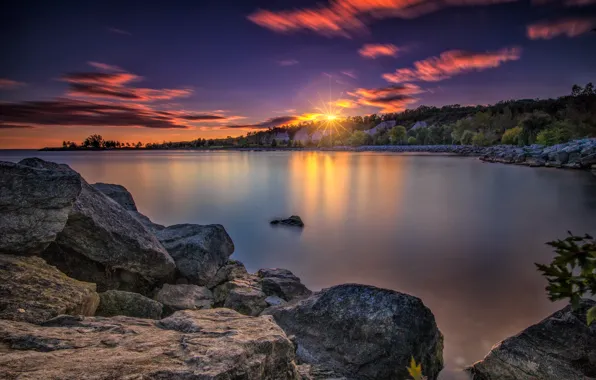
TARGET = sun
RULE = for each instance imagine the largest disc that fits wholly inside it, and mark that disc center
(331, 117)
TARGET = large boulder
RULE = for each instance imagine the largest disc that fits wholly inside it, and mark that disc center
(33, 291)
(242, 294)
(363, 332)
(184, 296)
(117, 302)
(199, 251)
(232, 270)
(561, 346)
(118, 193)
(206, 345)
(48, 209)
(282, 283)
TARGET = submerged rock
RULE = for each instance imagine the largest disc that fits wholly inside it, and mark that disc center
(199, 251)
(282, 283)
(363, 332)
(561, 346)
(293, 220)
(116, 302)
(33, 291)
(206, 344)
(50, 210)
(184, 296)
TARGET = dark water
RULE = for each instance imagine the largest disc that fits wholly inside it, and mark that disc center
(460, 234)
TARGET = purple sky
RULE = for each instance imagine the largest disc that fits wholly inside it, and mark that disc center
(186, 69)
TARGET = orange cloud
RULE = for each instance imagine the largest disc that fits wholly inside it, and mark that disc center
(116, 86)
(388, 99)
(6, 84)
(345, 103)
(373, 51)
(570, 27)
(344, 17)
(452, 63)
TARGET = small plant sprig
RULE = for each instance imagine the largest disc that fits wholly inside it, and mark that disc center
(572, 273)
(415, 370)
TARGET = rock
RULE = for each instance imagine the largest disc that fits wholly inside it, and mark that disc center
(50, 210)
(293, 220)
(363, 332)
(191, 344)
(230, 271)
(180, 297)
(561, 346)
(117, 302)
(118, 193)
(282, 283)
(313, 372)
(33, 291)
(199, 251)
(145, 221)
(246, 300)
(274, 301)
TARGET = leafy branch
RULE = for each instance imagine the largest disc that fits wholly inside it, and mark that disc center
(572, 273)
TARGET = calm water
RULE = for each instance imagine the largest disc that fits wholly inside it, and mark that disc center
(460, 234)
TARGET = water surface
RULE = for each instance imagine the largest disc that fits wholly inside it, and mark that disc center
(460, 234)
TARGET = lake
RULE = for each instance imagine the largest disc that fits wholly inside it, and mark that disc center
(460, 234)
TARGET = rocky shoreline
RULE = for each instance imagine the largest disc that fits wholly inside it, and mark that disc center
(92, 288)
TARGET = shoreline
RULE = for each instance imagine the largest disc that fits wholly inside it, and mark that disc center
(577, 154)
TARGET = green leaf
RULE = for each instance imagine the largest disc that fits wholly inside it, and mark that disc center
(591, 316)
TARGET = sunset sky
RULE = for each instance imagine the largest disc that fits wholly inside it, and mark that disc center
(178, 70)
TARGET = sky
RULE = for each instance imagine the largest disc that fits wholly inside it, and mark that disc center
(179, 70)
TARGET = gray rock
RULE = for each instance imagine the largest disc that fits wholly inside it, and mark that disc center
(183, 296)
(282, 283)
(561, 346)
(274, 301)
(145, 221)
(199, 251)
(118, 193)
(363, 332)
(293, 220)
(33, 291)
(50, 210)
(231, 271)
(202, 345)
(117, 302)
(246, 300)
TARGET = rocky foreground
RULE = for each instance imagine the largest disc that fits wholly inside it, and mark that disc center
(91, 288)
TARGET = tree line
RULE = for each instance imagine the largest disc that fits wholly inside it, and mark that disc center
(96, 141)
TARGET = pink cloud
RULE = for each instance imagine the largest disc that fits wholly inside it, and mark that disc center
(350, 73)
(7, 84)
(570, 27)
(373, 51)
(117, 86)
(344, 17)
(388, 99)
(104, 66)
(451, 63)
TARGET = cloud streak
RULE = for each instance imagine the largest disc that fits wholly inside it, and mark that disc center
(119, 31)
(373, 51)
(388, 99)
(116, 85)
(269, 123)
(9, 84)
(451, 63)
(68, 112)
(288, 62)
(346, 17)
(570, 27)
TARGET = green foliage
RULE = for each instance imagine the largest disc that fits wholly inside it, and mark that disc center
(557, 133)
(511, 136)
(480, 139)
(358, 138)
(412, 140)
(467, 138)
(572, 273)
(532, 124)
(397, 134)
